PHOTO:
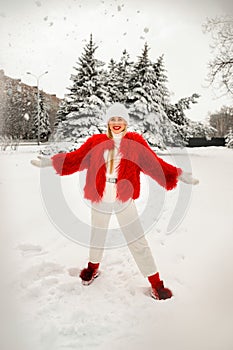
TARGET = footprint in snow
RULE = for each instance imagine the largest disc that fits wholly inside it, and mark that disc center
(73, 271)
(39, 272)
(31, 249)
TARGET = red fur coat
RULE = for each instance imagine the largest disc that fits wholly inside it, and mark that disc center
(136, 156)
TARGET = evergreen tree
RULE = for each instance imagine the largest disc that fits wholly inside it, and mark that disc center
(147, 98)
(119, 75)
(141, 86)
(162, 94)
(61, 113)
(124, 71)
(45, 130)
(168, 128)
(113, 81)
(142, 89)
(44, 125)
(175, 112)
(80, 112)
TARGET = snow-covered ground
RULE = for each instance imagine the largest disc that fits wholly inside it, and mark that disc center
(44, 306)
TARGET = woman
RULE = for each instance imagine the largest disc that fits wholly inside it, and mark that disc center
(114, 161)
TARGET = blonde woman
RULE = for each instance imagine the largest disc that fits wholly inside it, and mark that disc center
(114, 161)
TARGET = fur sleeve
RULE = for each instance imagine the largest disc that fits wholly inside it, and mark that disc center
(162, 172)
(69, 163)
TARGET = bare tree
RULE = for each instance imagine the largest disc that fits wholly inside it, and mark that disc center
(221, 66)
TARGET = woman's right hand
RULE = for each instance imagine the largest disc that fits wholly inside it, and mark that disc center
(188, 179)
(41, 162)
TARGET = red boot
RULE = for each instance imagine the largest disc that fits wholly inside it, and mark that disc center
(158, 291)
(89, 274)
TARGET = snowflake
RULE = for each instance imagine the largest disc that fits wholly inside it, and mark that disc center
(38, 3)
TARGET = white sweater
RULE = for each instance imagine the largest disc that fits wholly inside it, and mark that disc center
(117, 156)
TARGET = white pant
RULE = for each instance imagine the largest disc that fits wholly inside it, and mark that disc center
(130, 225)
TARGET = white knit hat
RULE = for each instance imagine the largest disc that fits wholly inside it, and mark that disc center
(117, 110)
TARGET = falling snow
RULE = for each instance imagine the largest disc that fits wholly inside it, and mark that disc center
(38, 3)
(26, 116)
(146, 30)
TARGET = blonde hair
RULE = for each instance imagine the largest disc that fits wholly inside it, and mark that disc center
(111, 151)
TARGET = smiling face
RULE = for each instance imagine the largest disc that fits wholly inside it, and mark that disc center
(117, 124)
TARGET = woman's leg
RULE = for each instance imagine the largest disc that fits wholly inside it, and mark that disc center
(132, 229)
(99, 228)
(100, 216)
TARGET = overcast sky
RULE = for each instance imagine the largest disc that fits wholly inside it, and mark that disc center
(40, 35)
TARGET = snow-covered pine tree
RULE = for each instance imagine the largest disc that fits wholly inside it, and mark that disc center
(169, 129)
(147, 97)
(141, 86)
(61, 113)
(80, 113)
(124, 70)
(112, 84)
(176, 134)
(229, 138)
(119, 75)
(160, 81)
(176, 113)
(44, 125)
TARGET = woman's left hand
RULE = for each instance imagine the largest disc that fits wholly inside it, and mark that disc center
(188, 179)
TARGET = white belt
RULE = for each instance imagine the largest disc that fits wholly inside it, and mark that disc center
(111, 179)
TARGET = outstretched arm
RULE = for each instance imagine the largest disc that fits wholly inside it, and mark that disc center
(67, 163)
(164, 173)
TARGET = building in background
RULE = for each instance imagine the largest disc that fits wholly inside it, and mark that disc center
(18, 108)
